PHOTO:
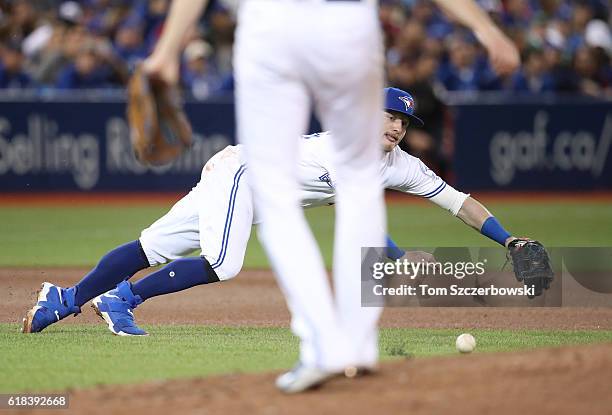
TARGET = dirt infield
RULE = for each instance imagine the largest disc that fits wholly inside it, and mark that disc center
(547, 381)
(253, 299)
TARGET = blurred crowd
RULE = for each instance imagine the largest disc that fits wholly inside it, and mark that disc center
(92, 44)
(566, 45)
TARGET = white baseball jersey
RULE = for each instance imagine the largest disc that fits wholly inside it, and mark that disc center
(398, 169)
(217, 215)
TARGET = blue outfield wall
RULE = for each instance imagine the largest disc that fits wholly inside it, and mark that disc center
(66, 144)
(549, 143)
(81, 142)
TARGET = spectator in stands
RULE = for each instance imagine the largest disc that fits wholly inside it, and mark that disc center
(87, 71)
(532, 77)
(12, 74)
(426, 142)
(199, 75)
(516, 13)
(465, 69)
(413, 63)
(598, 35)
(21, 20)
(560, 70)
(103, 17)
(150, 14)
(582, 14)
(436, 25)
(404, 56)
(592, 66)
(129, 45)
(221, 36)
(67, 36)
(391, 18)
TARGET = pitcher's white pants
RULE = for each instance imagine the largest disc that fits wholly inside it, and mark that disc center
(289, 56)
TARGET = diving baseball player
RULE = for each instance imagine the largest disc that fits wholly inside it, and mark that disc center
(217, 215)
(326, 55)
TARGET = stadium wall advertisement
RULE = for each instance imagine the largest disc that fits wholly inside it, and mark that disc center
(533, 146)
(65, 145)
(82, 144)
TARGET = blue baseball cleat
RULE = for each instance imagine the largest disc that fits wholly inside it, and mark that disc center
(53, 304)
(115, 307)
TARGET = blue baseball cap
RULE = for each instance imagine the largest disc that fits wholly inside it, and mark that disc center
(401, 101)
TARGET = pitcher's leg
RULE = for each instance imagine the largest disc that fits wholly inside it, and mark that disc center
(354, 117)
(272, 115)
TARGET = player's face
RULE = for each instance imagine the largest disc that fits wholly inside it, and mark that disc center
(394, 129)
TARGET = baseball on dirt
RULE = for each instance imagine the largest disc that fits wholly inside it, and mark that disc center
(465, 343)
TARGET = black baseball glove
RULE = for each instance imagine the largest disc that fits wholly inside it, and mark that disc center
(531, 264)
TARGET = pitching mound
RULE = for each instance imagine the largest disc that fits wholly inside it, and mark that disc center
(561, 381)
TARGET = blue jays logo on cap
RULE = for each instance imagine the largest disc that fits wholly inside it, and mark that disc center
(408, 101)
(401, 101)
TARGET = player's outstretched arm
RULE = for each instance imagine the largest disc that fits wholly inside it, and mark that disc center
(503, 53)
(164, 61)
(393, 250)
(474, 214)
(530, 261)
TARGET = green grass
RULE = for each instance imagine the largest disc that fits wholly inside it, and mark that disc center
(64, 236)
(78, 236)
(68, 356)
(79, 356)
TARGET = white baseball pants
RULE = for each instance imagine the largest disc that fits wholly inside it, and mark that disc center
(216, 216)
(291, 56)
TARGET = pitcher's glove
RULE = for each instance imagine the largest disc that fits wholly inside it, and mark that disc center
(159, 129)
(531, 264)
